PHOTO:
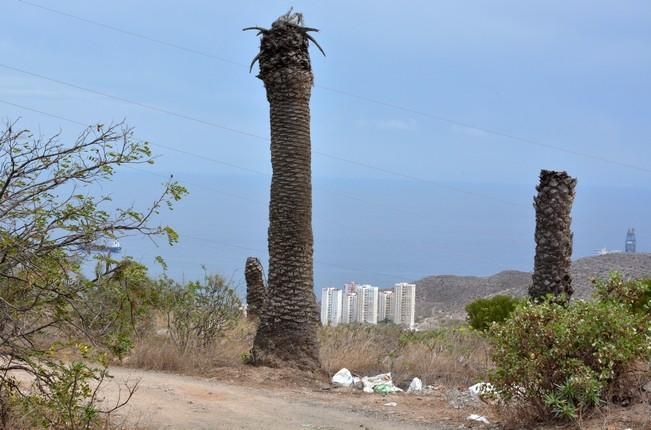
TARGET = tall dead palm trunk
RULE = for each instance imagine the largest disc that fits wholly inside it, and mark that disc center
(287, 333)
(553, 258)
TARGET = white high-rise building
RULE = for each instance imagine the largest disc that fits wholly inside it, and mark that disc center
(331, 306)
(384, 311)
(349, 308)
(404, 304)
(367, 298)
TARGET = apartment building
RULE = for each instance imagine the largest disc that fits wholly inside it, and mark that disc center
(367, 303)
(349, 308)
(404, 304)
(384, 311)
(331, 306)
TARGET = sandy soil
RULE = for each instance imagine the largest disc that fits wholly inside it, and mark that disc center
(275, 399)
(168, 401)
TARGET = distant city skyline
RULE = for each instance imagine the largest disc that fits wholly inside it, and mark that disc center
(367, 304)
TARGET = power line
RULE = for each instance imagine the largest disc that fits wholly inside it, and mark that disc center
(440, 118)
(220, 191)
(134, 34)
(488, 131)
(197, 184)
(135, 103)
(170, 148)
(316, 262)
(256, 136)
(204, 158)
(72, 121)
(418, 179)
(257, 250)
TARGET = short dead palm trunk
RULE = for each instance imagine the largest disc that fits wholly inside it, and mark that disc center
(255, 287)
(287, 333)
(553, 258)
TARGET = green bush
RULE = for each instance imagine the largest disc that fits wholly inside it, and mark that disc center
(484, 312)
(560, 360)
(199, 312)
(634, 294)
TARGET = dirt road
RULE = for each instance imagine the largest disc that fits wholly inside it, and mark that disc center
(168, 401)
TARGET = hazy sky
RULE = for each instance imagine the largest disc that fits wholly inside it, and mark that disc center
(431, 121)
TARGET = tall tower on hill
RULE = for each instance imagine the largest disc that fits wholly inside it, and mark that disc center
(630, 240)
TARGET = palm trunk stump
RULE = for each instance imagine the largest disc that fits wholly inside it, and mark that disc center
(553, 258)
(287, 332)
(255, 288)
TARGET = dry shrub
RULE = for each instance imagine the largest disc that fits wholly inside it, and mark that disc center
(363, 349)
(457, 356)
(450, 355)
(454, 355)
(156, 353)
(159, 352)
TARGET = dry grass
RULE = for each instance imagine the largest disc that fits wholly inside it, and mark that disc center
(454, 356)
(363, 349)
(451, 356)
(158, 352)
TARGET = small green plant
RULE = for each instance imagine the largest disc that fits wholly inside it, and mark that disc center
(67, 400)
(560, 360)
(245, 357)
(484, 312)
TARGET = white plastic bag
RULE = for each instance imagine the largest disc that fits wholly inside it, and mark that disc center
(479, 418)
(415, 386)
(343, 378)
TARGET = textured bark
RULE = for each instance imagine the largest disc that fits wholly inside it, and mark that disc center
(255, 288)
(287, 333)
(553, 258)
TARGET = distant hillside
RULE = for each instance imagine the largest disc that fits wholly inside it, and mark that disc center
(444, 297)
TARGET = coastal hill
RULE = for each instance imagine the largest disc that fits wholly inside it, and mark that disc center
(444, 297)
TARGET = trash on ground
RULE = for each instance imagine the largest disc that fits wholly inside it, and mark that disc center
(480, 418)
(415, 386)
(391, 404)
(381, 383)
(343, 378)
(481, 388)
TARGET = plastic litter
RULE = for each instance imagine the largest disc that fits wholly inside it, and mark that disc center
(384, 389)
(357, 382)
(381, 383)
(343, 378)
(481, 388)
(415, 386)
(480, 418)
(391, 404)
